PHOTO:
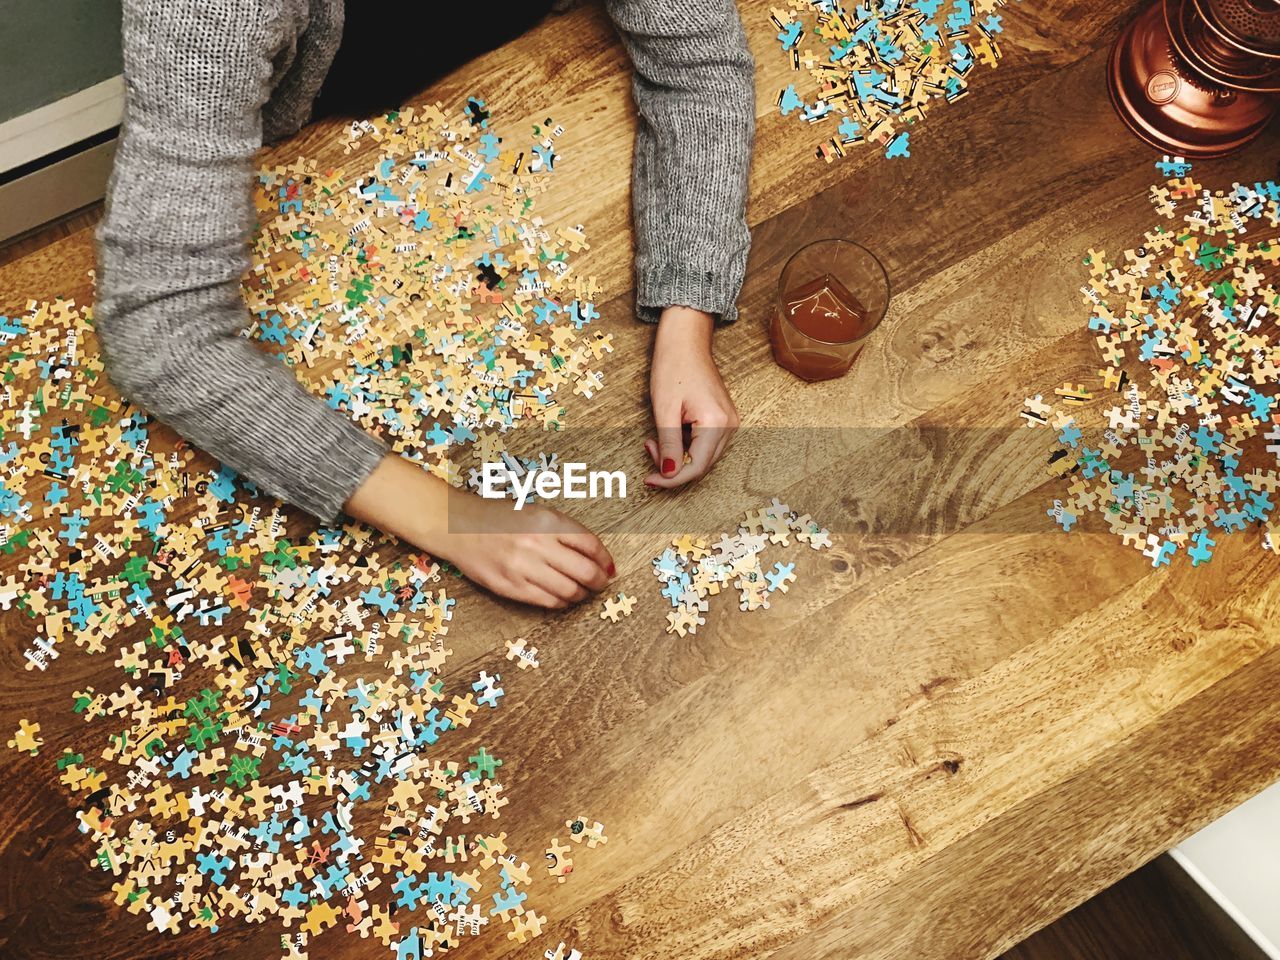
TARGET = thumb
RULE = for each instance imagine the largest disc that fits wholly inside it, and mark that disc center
(670, 442)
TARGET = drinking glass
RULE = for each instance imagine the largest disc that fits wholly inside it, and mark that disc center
(831, 295)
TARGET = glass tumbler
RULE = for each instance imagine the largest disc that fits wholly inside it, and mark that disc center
(831, 295)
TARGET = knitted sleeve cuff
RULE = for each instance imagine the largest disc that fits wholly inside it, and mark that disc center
(350, 459)
(249, 412)
(677, 284)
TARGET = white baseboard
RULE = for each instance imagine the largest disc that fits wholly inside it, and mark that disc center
(61, 123)
(1236, 860)
(53, 191)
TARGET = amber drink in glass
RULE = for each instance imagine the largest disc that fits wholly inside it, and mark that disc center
(832, 294)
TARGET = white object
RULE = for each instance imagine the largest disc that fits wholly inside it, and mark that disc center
(59, 124)
(1236, 860)
(57, 188)
(50, 192)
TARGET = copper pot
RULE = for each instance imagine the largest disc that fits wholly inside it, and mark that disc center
(1198, 78)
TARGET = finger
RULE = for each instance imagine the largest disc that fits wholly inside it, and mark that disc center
(725, 433)
(670, 441)
(701, 456)
(657, 481)
(702, 452)
(558, 584)
(725, 441)
(538, 596)
(581, 568)
(652, 447)
(589, 545)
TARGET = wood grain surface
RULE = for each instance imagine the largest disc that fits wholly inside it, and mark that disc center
(960, 723)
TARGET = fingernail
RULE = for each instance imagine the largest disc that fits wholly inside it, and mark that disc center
(612, 570)
(651, 486)
(668, 467)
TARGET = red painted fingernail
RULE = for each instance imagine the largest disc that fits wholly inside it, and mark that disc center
(612, 570)
(668, 467)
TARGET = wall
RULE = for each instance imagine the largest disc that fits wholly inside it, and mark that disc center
(50, 49)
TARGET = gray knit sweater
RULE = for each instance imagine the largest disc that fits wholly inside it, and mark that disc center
(208, 81)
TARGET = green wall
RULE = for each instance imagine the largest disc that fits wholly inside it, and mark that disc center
(50, 49)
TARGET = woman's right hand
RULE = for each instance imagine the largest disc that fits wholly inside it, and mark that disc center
(535, 555)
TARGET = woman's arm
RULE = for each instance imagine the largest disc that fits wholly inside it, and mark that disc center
(695, 94)
(173, 246)
(694, 88)
(172, 250)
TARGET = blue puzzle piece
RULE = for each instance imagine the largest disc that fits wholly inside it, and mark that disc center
(1201, 549)
(777, 577)
(312, 659)
(214, 866)
(850, 132)
(489, 147)
(407, 890)
(1173, 167)
(1164, 554)
(379, 599)
(899, 146)
(1063, 518)
(409, 947)
(509, 898)
(789, 101)
(1207, 440)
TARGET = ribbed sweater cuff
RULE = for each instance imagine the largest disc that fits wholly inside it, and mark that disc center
(345, 462)
(675, 284)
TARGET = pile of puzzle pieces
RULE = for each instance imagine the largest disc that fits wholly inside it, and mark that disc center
(882, 63)
(692, 569)
(424, 297)
(280, 684)
(1190, 362)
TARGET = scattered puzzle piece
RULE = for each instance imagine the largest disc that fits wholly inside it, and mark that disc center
(524, 656)
(584, 830)
(559, 863)
(27, 738)
(617, 607)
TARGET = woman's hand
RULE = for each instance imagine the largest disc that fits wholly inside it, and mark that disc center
(534, 555)
(686, 389)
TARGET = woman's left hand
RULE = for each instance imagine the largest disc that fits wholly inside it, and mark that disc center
(686, 390)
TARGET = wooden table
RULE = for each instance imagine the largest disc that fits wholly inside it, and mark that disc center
(960, 723)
